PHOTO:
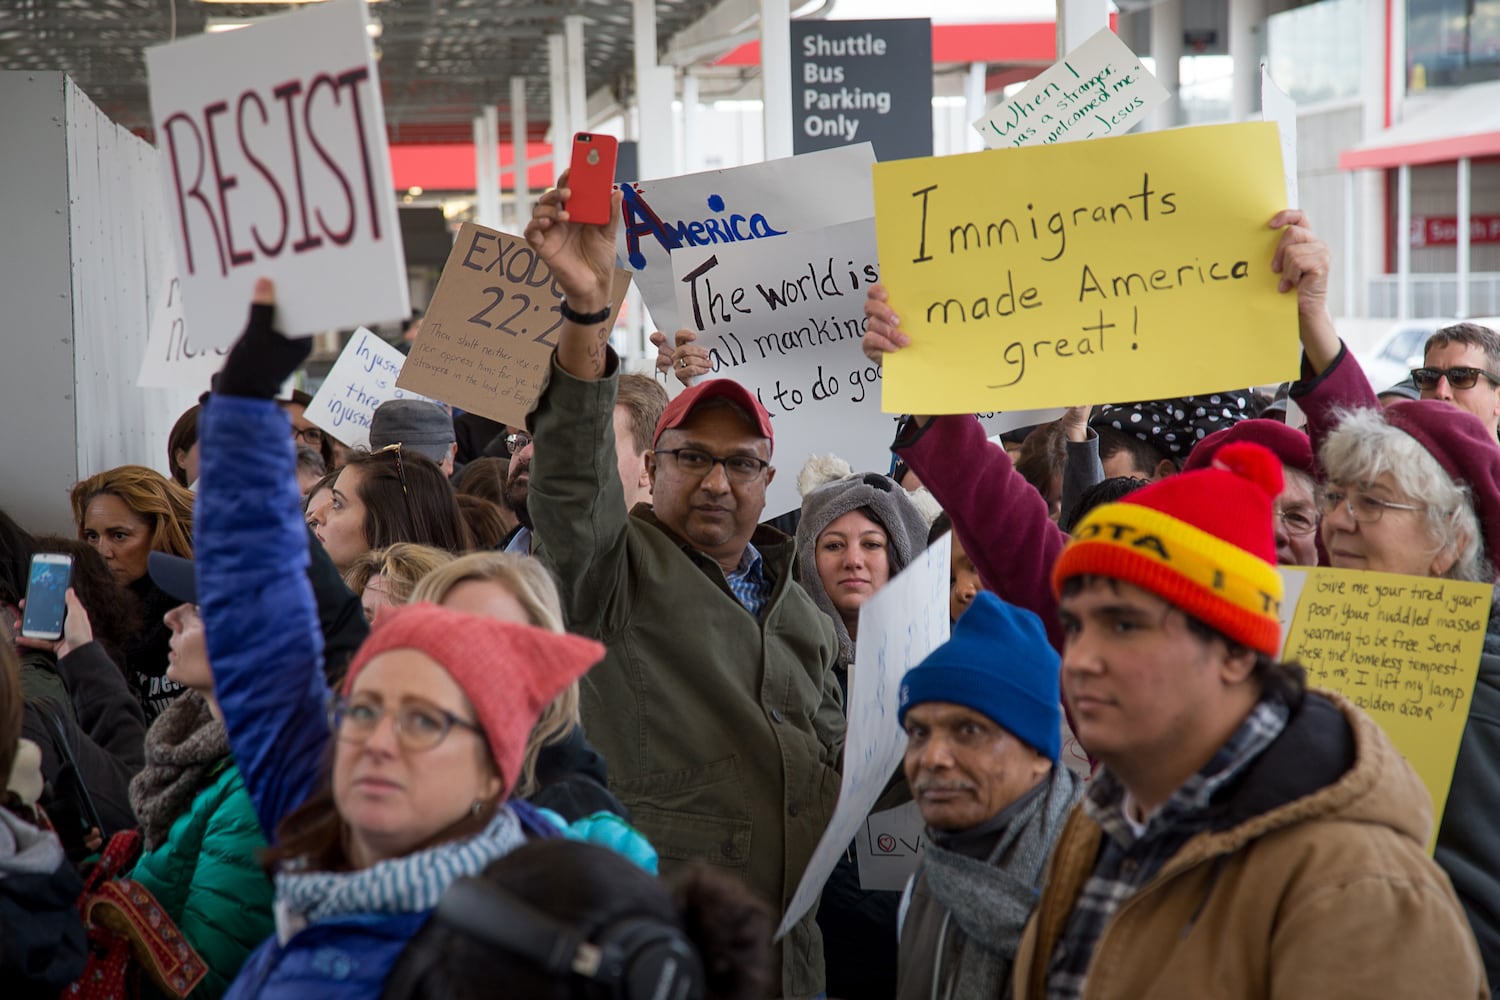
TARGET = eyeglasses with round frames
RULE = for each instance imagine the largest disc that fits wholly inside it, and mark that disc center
(1364, 508)
(1296, 522)
(418, 727)
(516, 440)
(1459, 378)
(310, 436)
(742, 469)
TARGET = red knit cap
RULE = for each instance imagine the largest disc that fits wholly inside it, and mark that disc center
(1203, 540)
(509, 672)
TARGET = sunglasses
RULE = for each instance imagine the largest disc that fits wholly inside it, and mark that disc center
(1459, 378)
(401, 475)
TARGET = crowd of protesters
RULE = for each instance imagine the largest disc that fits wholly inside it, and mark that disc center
(551, 711)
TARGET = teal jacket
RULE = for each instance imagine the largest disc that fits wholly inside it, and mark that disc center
(206, 876)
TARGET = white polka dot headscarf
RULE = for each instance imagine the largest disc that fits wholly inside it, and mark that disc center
(1174, 426)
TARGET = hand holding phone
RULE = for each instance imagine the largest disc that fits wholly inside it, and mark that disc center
(591, 178)
(46, 596)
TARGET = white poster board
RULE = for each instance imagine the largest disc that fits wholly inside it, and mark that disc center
(719, 208)
(890, 847)
(785, 318)
(1277, 106)
(898, 627)
(274, 164)
(363, 377)
(1100, 89)
(172, 360)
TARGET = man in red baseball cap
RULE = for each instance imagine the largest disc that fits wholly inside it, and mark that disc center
(716, 704)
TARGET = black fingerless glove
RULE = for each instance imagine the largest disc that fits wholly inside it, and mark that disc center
(262, 359)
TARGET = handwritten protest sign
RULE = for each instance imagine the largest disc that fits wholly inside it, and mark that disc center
(363, 377)
(721, 207)
(1277, 106)
(1130, 268)
(172, 359)
(890, 847)
(489, 332)
(785, 319)
(1100, 89)
(1403, 648)
(898, 627)
(274, 163)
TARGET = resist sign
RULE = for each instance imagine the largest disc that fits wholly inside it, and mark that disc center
(274, 163)
(1137, 267)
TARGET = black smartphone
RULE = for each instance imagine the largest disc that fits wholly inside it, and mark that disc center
(46, 590)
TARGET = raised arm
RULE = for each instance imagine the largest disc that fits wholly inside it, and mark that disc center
(259, 617)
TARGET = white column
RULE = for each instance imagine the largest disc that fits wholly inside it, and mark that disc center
(655, 87)
(1403, 242)
(1462, 308)
(690, 159)
(562, 129)
(1077, 20)
(1166, 50)
(974, 104)
(578, 111)
(519, 162)
(1353, 306)
(776, 75)
(1247, 24)
(487, 168)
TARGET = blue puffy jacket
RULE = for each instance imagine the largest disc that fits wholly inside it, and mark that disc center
(265, 644)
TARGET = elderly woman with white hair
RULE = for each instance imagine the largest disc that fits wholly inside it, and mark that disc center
(1415, 489)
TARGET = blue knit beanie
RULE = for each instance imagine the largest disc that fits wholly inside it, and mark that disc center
(999, 663)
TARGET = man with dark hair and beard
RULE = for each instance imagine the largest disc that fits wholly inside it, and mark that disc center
(517, 483)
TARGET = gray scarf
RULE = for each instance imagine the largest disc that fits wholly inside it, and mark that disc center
(990, 901)
(184, 748)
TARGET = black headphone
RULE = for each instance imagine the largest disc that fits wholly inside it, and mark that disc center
(633, 958)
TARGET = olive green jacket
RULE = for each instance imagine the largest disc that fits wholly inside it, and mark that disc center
(722, 733)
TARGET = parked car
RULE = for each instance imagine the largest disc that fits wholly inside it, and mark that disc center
(1399, 350)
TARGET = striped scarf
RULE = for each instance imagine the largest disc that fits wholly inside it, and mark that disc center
(407, 884)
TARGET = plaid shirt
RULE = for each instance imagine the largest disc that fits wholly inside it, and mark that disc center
(1127, 862)
(749, 582)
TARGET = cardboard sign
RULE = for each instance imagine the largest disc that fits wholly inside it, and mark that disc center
(903, 622)
(863, 81)
(274, 164)
(720, 207)
(1277, 106)
(785, 319)
(1129, 268)
(1100, 89)
(1403, 648)
(172, 360)
(363, 377)
(890, 847)
(489, 332)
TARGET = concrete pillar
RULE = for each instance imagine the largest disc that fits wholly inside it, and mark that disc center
(655, 88)
(578, 111)
(974, 105)
(520, 186)
(1166, 50)
(1403, 242)
(1462, 308)
(562, 128)
(776, 75)
(1077, 21)
(690, 162)
(1353, 306)
(487, 168)
(1247, 25)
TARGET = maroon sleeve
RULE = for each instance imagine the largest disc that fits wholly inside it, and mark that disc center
(1000, 518)
(1342, 386)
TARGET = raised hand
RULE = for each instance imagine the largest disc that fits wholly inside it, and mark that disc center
(883, 329)
(581, 256)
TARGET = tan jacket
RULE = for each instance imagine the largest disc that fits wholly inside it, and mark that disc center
(1317, 885)
(722, 732)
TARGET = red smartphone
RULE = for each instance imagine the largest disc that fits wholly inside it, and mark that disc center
(591, 177)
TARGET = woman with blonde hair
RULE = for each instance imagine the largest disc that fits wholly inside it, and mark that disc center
(125, 514)
(561, 771)
(385, 578)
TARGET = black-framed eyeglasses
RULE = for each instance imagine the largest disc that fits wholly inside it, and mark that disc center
(1459, 378)
(1296, 521)
(401, 475)
(1364, 508)
(516, 440)
(741, 469)
(310, 436)
(418, 727)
